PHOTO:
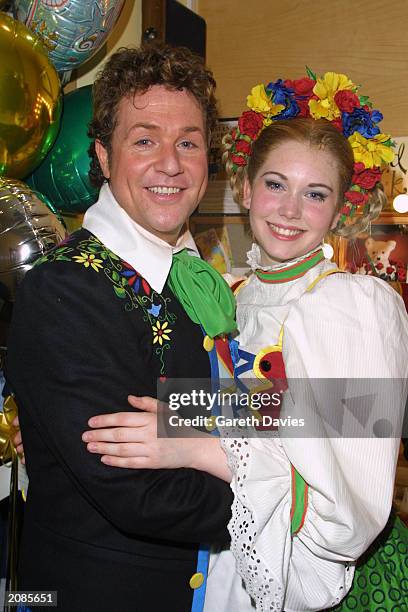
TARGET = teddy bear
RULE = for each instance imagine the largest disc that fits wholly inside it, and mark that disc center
(378, 252)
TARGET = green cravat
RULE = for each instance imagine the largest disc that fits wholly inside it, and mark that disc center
(203, 293)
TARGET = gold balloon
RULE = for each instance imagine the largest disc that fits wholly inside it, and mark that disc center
(7, 431)
(28, 229)
(30, 99)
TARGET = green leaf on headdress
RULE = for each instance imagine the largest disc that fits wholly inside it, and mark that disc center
(268, 92)
(364, 101)
(389, 143)
(310, 74)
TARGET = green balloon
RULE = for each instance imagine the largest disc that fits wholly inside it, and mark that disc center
(52, 208)
(63, 175)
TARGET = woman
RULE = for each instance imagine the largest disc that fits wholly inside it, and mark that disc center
(306, 507)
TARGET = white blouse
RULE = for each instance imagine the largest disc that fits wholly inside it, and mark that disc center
(347, 327)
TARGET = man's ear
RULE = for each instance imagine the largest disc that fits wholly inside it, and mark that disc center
(103, 158)
(246, 194)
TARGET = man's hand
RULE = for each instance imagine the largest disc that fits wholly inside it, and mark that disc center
(129, 440)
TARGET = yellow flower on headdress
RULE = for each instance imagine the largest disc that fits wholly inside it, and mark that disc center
(259, 102)
(325, 89)
(371, 152)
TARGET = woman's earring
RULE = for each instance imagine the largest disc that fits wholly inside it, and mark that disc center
(327, 249)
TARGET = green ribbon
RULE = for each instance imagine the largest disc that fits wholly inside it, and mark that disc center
(203, 293)
(290, 272)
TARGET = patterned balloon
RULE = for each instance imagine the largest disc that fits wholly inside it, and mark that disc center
(28, 229)
(30, 103)
(63, 175)
(73, 30)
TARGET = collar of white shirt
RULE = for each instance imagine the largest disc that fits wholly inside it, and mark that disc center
(145, 252)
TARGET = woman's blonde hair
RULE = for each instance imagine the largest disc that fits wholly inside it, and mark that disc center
(317, 133)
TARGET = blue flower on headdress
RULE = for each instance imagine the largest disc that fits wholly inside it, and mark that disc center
(362, 121)
(286, 96)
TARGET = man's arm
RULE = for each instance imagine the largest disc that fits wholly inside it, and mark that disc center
(66, 363)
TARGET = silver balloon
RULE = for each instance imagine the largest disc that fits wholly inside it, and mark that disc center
(28, 229)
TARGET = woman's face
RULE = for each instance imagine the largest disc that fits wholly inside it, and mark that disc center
(292, 201)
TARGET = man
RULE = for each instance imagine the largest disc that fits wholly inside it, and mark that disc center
(96, 320)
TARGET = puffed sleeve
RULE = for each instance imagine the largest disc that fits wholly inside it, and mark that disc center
(345, 350)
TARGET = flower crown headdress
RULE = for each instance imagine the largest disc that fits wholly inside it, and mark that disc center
(333, 97)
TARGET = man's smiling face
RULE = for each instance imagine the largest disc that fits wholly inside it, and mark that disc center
(157, 165)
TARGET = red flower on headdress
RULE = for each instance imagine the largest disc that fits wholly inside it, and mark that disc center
(303, 89)
(242, 146)
(250, 123)
(346, 101)
(337, 123)
(304, 110)
(345, 210)
(366, 177)
(238, 160)
(356, 197)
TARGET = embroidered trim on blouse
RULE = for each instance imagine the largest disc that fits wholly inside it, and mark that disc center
(265, 589)
(292, 271)
(300, 493)
(254, 259)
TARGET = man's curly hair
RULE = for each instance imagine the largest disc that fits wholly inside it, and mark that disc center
(132, 71)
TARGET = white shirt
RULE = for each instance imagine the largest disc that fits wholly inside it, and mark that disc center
(351, 327)
(145, 252)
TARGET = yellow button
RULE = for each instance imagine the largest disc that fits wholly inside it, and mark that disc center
(196, 580)
(211, 423)
(208, 343)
